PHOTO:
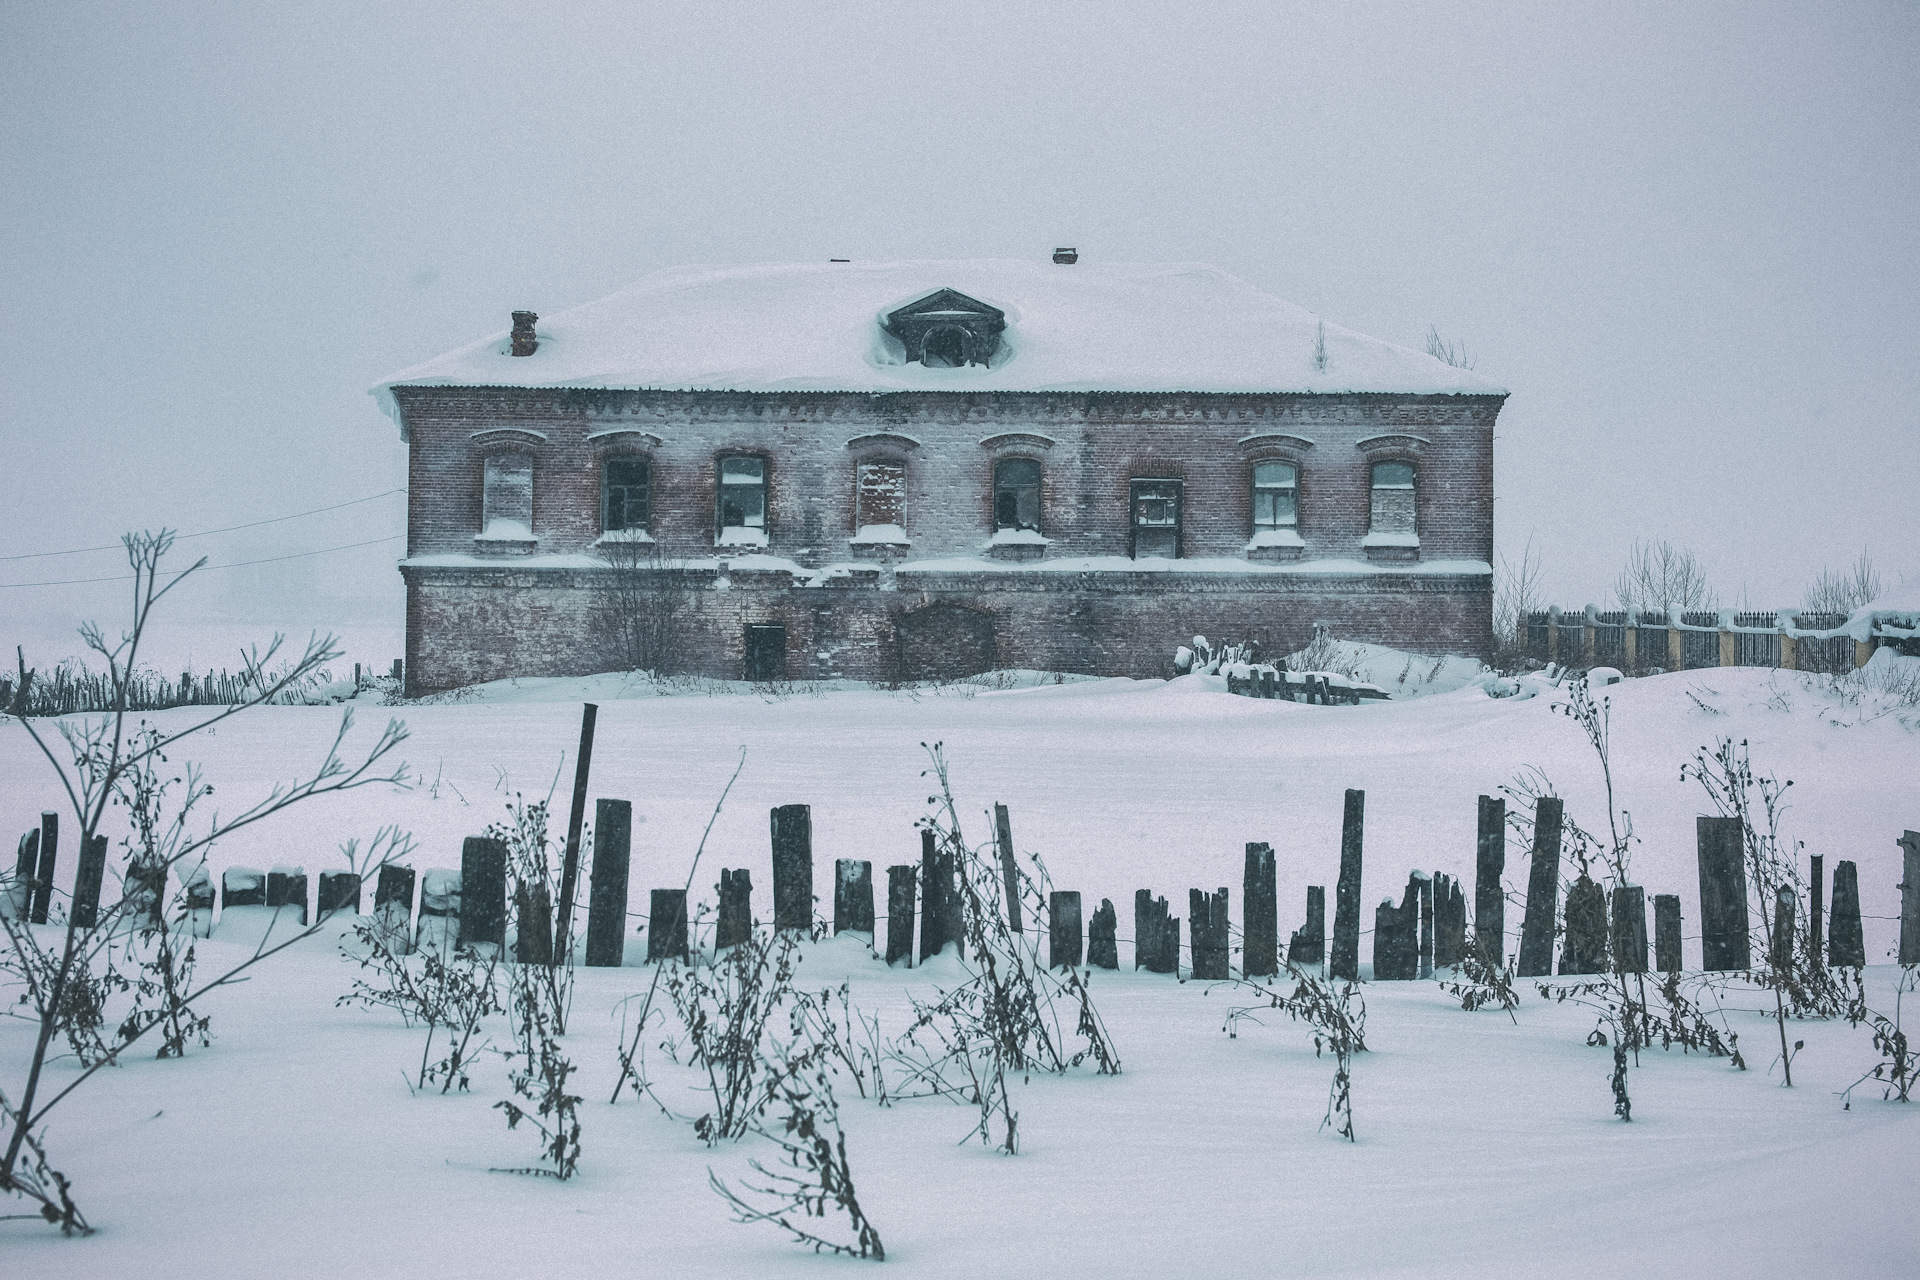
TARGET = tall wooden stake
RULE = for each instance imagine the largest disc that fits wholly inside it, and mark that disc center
(1009, 870)
(570, 866)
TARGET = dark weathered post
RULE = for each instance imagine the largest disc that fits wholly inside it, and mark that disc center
(607, 892)
(43, 873)
(1260, 914)
(1629, 929)
(1724, 942)
(570, 862)
(1846, 947)
(1543, 891)
(932, 900)
(1308, 945)
(792, 826)
(1910, 897)
(1009, 869)
(143, 902)
(439, 928)
(393, 907)
(26, 865)
(900, 914)
(287, 891)
(1666, 932)
(533, 923)
(339, 892)
(667, 925)
(1063, 929)
(483, 893)
(87, 880)
(1489, 899)
(1425, 882)
(1816, 909)
(1207, 932)
(735, 924)
(1396, 936)
(852, 896)
(1449, 923)
(1781, 952)
(1156, 935)
(1103, 944)
(242, 887)
(1346, 890)
(1584, 949)
(199, 894)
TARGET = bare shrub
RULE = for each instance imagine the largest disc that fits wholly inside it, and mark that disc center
(1325, 654)
(436, 991)
(1659, 575)
(643, 601)
(1447, 352)
(1518, 590)
(1842, 591)
(1336, 1014)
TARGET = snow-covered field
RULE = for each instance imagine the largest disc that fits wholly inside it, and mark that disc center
(293, 1146)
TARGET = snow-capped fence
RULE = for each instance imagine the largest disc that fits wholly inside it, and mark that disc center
(1640, 640)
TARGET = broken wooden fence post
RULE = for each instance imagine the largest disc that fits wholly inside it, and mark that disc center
(1780, 954)
(1156, 935)
(1009, 869)
(792, 829)
(532, 922)
(1846, 947)
(1449, 923)
(667, 926)
(1489, 898)
(1207, 931)
(1396, 936)
(86, 883)
(1724, 942)
(940, 911)
(143, 902)
(393, 908)
(43, 872)
(900, 896)
(1063, 929)
(287, 891)
(735, 924)
(1666, 932)
(439, 928)
(853, 896)
(199, 895)
(1584, 949)
(1630, 929)
(1308, 945)
(1816, 910)
(1543, 891)
(483, 894)
(19, 903)
(1426, 923)
(607, 891)
(561, 949)
(339, 893)
(1346, 899)
(1259, 914)
(242, 887)
(1909, 897)
(1103, 944)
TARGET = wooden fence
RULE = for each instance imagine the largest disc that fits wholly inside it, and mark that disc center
(1646, 639)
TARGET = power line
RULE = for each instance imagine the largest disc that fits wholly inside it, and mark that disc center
(182, 537)
(298, 555)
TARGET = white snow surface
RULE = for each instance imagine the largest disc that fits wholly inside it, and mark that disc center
(1486, 1149)
(817, 327)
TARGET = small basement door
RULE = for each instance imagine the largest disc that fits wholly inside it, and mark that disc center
(766, 653)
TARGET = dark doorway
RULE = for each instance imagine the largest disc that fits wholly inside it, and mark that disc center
(944, 349)
(766, 653)
(1156, 519)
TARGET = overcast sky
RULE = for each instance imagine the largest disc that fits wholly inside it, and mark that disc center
(1686, 237)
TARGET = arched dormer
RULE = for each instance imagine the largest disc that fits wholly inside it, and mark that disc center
(947, 329)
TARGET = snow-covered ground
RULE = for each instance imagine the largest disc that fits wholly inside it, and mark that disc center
(293, 1145)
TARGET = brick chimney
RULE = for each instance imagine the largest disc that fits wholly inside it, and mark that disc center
(524, 343)
(1066, 257)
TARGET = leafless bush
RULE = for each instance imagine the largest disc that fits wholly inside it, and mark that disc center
(1659, 575)
(1337, 1016)
(436, 991)
(1480, 984)
(1518, 590)
(1446, 352)
(1899, 1067)
(540, 1082)
(1844, 590)
(643, 600)
(1326, 654)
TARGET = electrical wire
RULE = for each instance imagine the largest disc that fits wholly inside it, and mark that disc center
(182, 537)
(298, 555)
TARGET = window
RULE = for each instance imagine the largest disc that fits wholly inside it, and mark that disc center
(1276, 487)
(944, 349)
(1156, 519)
(1016, 494)
(1392, 498)
(626, 485)
(743, 499)
(506, 497)
(880, 496)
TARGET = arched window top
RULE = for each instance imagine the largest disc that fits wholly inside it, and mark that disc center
(1393, 475)
(1275, 474)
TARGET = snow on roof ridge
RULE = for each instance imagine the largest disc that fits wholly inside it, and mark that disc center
(1164, 327)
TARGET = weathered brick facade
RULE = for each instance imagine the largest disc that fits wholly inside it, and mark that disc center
(946, 603)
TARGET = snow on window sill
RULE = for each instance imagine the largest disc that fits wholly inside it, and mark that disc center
(505, 531)
(1018, 538)
(740, 536)
(1275, 538)
(885, 535)
(1391, 540)
(623, 535)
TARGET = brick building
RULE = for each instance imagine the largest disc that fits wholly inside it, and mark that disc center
(919, 469)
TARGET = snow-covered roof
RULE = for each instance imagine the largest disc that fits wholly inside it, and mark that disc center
(818, 327)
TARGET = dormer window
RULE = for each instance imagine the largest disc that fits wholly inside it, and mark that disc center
(948, 330)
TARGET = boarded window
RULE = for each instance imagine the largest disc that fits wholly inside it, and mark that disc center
(628, 492)
(506, 500)
(881, 495)
(1016, 494)
(743, 493)
(1392, 497)
(1275, 491)
(1156, 518)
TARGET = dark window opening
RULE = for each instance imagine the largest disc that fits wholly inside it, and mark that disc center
(627, 498)
(1156, 519)
(1016, 494)
(1276, 487)
(766, 656)
(743, 494)
(944, 349)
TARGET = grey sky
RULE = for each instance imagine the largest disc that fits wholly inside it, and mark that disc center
(1685, 236)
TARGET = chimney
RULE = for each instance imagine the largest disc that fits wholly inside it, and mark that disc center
(1066, 257)
(524, 343)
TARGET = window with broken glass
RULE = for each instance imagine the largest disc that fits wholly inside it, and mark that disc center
(1156, 519)
(743, 495)
(626, 495)
(1393, 492)
(1276, 487)
(1016, 494)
